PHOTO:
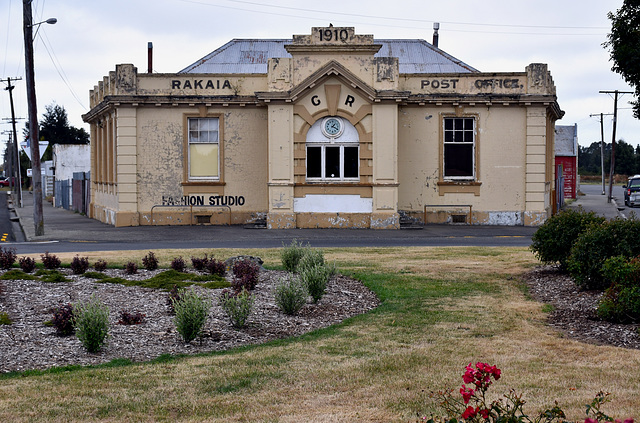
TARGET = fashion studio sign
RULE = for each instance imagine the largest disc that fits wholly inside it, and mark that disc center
(203, 200)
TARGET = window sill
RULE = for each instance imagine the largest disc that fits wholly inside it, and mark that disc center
(203, 183)
(459, 187)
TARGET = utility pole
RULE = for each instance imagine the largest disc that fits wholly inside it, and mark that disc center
(14, 144)
(602, 145)
(38, 219)
(613, 137)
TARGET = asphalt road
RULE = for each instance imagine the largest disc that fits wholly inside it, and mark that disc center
(6, 230)
(237, 237)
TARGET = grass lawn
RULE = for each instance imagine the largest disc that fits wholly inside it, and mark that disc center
(442, 308)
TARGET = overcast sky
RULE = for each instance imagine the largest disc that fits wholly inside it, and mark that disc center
(91, 37)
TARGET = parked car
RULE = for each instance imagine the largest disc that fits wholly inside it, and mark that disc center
(4, 182)
(632, 191)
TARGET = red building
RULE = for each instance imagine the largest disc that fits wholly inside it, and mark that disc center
(566, 149)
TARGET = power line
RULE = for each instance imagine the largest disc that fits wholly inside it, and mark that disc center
(60, 70)
(332, 15)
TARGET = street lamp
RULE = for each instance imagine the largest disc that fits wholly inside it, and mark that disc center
(28, 25)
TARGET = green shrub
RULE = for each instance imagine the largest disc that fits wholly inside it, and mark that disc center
(237, 306)
(612, 238)
(310, 258)
(51, 276)
(192, 310)
(621, 301)
(552, 242)
(5, 319)
(91, 319)
(315, 279)
(291, 255)
(291, 295)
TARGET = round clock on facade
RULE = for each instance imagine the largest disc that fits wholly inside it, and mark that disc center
(332, 127)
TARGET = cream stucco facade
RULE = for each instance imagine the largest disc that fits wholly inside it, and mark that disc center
(331, 135)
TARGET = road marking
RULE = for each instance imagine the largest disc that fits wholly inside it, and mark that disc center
(84, 241)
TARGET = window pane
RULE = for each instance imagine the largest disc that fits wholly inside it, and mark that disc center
(332, 162)
(448, 124)
(314, 162)
(203, 159)
(351, 162)
(458, 160)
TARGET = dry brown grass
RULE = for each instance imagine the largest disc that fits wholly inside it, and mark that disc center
(443, 308)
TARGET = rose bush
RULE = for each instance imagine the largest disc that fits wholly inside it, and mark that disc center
(473, 406)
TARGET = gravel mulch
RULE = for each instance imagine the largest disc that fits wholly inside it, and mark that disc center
(29, 344)
(574, 311)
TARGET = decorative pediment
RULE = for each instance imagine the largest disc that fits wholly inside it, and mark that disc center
(331, 70)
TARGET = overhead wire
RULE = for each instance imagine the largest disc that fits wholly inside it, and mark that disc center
(58, 66)
(396, 19)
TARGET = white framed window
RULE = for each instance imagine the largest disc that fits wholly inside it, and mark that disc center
(459, 148)
(204, 148)
(333, 151)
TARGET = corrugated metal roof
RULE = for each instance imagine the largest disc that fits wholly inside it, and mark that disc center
(566, 140)
(251, 56)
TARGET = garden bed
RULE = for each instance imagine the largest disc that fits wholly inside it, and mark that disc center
(29, 344)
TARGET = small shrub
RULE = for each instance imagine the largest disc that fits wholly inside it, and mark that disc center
(5, 319)
(100, 265)
(291, 295)
(51, 276)
(245, 275)
(553, 240)
(199, 263)
(7, 258)
(174, 296)
(192, 310)
(595, 245)
(291, 255)
(27, 264)
(15, 274)
(216, 267)
(134, 318)
(91, 319)
(315, 279)
(311, 257)
(178, 264)
(50, 261)
(131, 268)
(150, 261)
(621, 301)
(237, 306)
(79, 265)
(63, 320)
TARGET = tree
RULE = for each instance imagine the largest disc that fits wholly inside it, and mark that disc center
(624, 46)
(55, 127)
(625, 159)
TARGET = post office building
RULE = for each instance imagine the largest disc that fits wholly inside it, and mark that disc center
(331, 129)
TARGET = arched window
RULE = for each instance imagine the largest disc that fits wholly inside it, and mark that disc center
(333, 151)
